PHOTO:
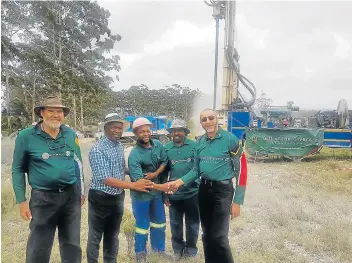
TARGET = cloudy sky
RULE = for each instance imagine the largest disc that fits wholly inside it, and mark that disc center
(299, 50)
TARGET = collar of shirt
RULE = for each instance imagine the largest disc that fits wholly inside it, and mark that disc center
(217, 136)
(109, 142)
(186, 142)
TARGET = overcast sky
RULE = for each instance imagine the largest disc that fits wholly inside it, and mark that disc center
(299, 51)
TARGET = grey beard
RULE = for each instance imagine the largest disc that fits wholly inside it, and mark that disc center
(53, 126)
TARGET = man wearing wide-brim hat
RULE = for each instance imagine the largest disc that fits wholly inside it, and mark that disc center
(106, 194)
(51, 102)
(49, 153)
(184, 203)
(114, 117)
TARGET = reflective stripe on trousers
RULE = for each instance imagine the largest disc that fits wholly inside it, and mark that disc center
(149, 214)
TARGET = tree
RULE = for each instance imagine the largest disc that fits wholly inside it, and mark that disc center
(14, 19)
(62, 47)
(174, 101)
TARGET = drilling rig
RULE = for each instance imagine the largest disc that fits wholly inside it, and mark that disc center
(289, 142)
(232, 78)
(234, 107)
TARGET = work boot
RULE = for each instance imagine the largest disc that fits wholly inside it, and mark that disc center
(187, 256)
(166, 256)
(141, 258)
(177, 256)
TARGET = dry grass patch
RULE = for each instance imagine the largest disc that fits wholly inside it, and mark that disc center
(333, 238)
(332, 242)
(320, 176)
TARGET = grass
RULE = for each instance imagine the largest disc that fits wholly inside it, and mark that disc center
(332, 239)
(308, 206)
(331, 154)
(323, 175)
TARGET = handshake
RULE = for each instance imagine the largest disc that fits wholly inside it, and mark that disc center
(171, 187)
(145, 185)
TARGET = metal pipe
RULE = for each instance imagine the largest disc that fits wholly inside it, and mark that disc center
(216, 60)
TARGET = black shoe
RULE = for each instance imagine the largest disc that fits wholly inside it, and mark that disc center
(141, 258)
(177, 256)
(189, 255)
(166, 255)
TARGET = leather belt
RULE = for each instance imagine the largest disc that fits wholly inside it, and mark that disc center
(58, 190)
(211, 183)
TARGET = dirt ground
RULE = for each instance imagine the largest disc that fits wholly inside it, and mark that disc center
(293, 212)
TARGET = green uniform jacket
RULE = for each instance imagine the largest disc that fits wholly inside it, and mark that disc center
(180, 162)
(49, 163)
(144, 160)
(218, 159)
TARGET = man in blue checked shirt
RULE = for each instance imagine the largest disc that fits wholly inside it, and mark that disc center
(106, 195)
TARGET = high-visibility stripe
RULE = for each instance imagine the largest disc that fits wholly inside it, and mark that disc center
(236, 152)
(141, 231)
(155, 225)
(333, 140)
(337, 130)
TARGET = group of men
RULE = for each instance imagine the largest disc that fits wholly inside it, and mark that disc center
(194, 179)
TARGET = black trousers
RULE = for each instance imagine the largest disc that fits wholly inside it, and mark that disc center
(189, 209)
(215, 200)
(104, 219)
(51, 209)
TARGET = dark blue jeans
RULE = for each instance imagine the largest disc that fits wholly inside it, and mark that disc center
(51, 209)
(104, 219)
(187, 208)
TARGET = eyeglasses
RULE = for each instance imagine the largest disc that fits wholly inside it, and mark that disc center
(55, 147)
(204, 119)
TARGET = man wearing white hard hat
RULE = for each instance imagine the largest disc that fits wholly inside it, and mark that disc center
(106, 193)
(148, 160)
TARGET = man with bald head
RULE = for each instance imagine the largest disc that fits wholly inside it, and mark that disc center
(218, 159)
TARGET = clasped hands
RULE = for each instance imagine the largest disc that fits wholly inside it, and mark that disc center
(145, 184)
(171, 187)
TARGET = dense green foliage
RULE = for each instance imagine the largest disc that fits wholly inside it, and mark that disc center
(66, 48)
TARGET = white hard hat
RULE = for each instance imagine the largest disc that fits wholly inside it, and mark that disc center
(140, 122)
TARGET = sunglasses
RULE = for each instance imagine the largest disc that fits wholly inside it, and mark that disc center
(204, 119)
(55, 147)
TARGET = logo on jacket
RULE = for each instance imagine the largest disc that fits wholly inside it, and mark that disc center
(188, 160)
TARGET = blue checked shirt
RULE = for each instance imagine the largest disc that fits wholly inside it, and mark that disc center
(106, 159)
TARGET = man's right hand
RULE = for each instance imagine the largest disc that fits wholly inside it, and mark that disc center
(174, 185)
(142, 185)
(24, 211)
